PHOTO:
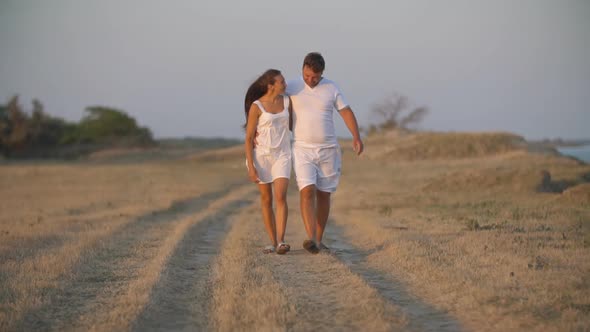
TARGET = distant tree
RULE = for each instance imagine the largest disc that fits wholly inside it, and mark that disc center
(109, 125)
(38, 134)
(4, 128)
(14, 129)
(45, 130)
(38, 117)
(395, 112)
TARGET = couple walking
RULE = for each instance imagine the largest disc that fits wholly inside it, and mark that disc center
(306, 107)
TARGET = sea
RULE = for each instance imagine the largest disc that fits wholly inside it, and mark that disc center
(581, 152)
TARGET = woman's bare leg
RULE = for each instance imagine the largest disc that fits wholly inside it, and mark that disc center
(267, 213)
(280, 196)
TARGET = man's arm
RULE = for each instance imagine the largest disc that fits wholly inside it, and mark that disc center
(350, 121)
(290, 114)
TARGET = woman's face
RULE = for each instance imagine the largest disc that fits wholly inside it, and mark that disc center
(280, 85)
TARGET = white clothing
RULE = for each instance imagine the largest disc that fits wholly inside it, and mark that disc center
(319, 166)
(317, 157)
(272, 165)
(273, 128)
(313, 109)
(272, 154)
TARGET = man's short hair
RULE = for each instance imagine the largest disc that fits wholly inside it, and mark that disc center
(315, 61)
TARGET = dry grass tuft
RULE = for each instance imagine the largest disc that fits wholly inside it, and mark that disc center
(578, 194)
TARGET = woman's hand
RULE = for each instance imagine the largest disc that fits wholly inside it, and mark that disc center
(253, 175)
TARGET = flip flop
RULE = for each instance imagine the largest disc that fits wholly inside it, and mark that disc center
(283, 248)
(268, 250)
(310, 246)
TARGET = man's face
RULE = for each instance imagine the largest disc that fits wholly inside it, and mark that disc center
(310, 77)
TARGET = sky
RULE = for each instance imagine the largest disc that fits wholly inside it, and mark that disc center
(181, 67)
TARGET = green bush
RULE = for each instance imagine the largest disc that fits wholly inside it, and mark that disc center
(42, 135)
(111, 126)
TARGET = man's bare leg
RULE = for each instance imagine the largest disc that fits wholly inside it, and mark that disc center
(323, 212)
(307, 205)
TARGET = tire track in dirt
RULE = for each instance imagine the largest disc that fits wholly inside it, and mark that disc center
(297, 291)
(331, 291)
(76, 221)
(180, 299)
(328, 296)
(245, 296)
(62, 231)
(421, 316)
(112, 282)
(37, 274)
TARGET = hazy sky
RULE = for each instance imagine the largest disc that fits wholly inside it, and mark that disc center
(181, 67)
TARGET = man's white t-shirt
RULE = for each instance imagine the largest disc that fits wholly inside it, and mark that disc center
(313, 109)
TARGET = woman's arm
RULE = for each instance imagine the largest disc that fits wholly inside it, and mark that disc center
(253, 116)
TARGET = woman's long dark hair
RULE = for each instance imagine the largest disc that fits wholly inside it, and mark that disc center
(258, 89)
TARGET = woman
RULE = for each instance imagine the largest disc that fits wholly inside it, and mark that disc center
(268, 120)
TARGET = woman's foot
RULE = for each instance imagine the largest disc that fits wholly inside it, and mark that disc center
(268, 250)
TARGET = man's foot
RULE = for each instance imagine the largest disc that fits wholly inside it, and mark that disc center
(323, 247)
(283, 248)
(310, 246)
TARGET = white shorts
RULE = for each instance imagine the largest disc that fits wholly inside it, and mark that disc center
(271, 165)
(317, 166)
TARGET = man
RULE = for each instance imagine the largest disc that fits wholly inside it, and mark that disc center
(316, 153)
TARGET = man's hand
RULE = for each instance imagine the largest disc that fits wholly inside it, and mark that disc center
(352, 125)
(357, 146)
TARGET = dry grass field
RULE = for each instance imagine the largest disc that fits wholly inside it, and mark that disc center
(428, 232)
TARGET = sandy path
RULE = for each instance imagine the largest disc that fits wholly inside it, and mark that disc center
(297, 291)
(112, 284)
(382, 292)
(207, 272)
(421, 316)
(179, 300)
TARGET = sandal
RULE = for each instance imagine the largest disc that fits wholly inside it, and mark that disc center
(323, 247)
(268, 250)
(310, 246)
(283, 248)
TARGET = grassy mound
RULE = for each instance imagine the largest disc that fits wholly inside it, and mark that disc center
(578, 194)
(513, 180)
(432, 145)
(222, 154)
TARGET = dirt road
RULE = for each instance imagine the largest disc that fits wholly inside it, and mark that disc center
(176, 246)
(198, 265)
